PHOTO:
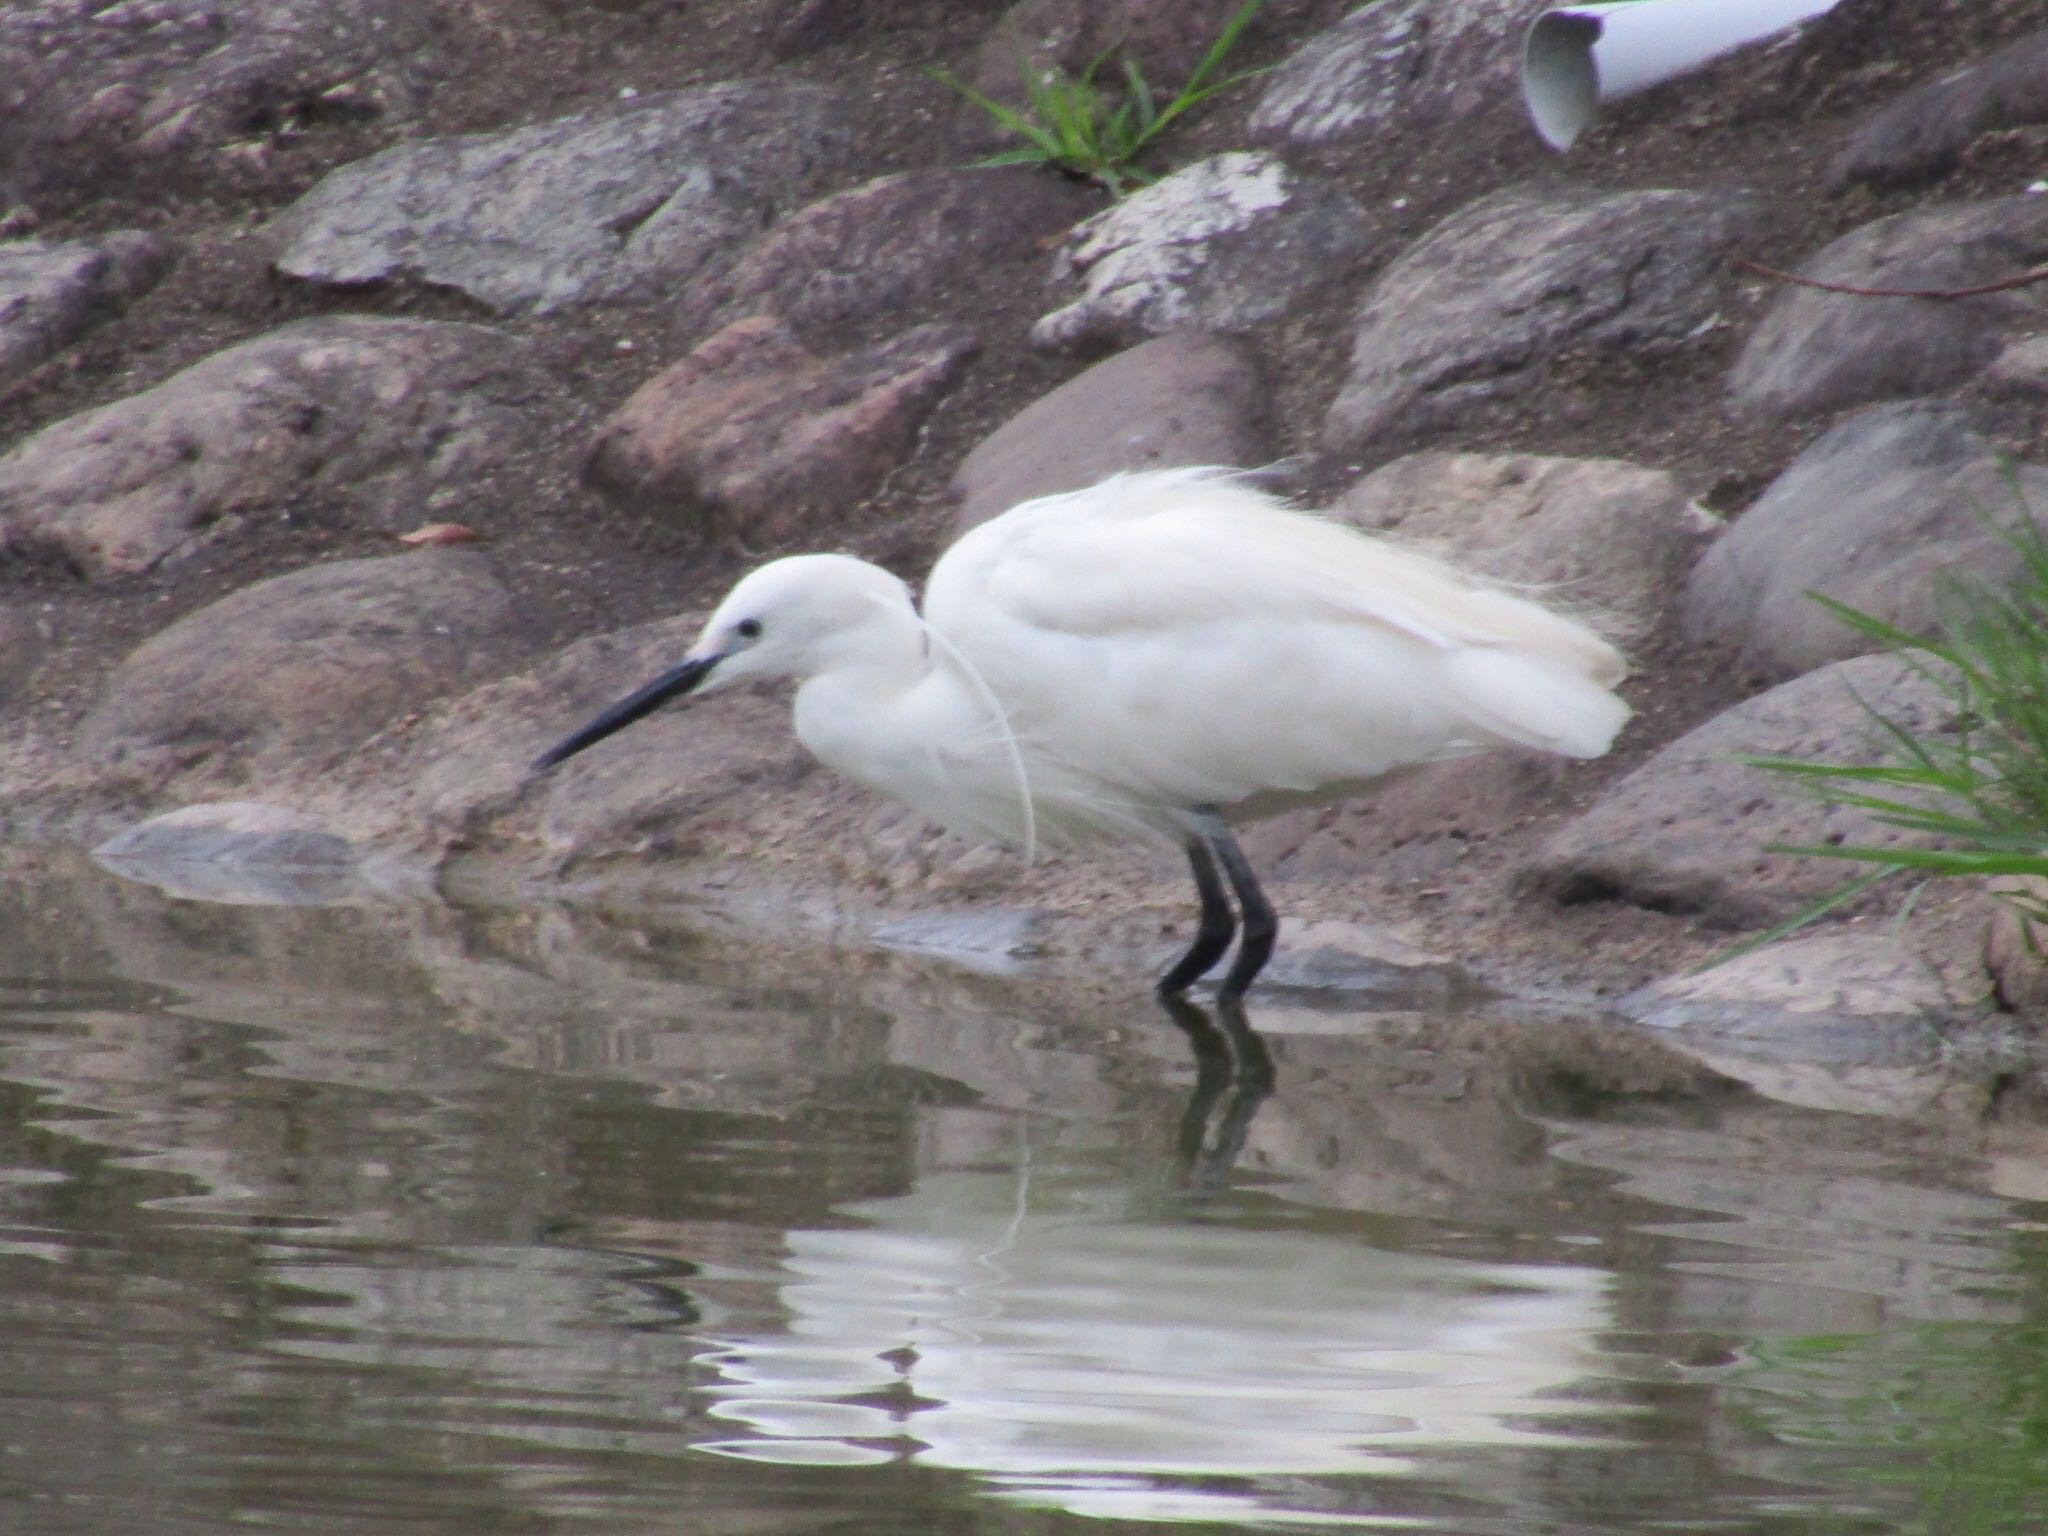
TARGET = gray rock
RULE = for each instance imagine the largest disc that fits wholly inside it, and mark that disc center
(53, 292)
(629, 202)
(288, 675)
(241, 852)
(1849, 1022)
(1871, 515)
(1815, 351)
(755, 435)
(1687, 831)
(1228, 244)
(366, 420)
(1184, 399)
(127, 93)
(995, 941)
(1477, 310)
(1386, 69)
(1607, 538)
(1923, 134)
(889, 244)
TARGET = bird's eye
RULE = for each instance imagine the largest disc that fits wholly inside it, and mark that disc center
(748, 629)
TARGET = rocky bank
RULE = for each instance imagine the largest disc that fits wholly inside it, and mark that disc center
(385, 385)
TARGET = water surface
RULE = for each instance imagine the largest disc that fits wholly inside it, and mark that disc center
(415, 1219)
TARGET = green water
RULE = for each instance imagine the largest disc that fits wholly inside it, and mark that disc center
(411, 1219)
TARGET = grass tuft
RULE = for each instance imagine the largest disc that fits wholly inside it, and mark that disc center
(1093, 131)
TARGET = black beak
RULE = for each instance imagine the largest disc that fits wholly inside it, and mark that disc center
(670, 685)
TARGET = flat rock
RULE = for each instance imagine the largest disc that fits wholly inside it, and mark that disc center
(1815, 351)
(1387, 69)
(287, 676)
(1609, 539)
(1687, 831)
(241, 852)
(1871, 515)
(752, 433)
(1228, 244)
(995, 941)
(1848, 1022)
(127, 93)
(1478, 310)
(629, 202)
(1924, 134)
(53, 292)
(348, 419)
(889, 245)
(1183, 399)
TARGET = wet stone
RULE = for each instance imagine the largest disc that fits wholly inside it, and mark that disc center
(243, 852)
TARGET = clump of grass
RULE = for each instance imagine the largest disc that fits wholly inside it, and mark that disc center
(1094, 131)
(1983, 787)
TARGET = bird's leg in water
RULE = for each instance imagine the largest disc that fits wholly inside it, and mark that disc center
(1217, 927)
(1261, 927)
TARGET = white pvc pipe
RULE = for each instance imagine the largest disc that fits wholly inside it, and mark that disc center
(1577, 58)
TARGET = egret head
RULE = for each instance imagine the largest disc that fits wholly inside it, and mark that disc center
(791, 618)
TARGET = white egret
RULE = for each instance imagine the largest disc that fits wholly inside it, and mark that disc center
(1150, 657)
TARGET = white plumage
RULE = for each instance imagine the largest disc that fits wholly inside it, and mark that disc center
(1149, 657)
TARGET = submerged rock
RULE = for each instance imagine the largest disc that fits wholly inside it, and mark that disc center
(239, 851)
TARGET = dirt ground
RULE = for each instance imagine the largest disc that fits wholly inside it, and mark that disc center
(1768, 121)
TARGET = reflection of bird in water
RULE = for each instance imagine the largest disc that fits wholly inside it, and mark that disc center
(1233, 1075)
(1148, 658)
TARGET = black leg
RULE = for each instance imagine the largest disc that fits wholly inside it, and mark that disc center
(1217, 927)
(1261, 927)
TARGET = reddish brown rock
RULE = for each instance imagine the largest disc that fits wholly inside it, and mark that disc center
(752, 433)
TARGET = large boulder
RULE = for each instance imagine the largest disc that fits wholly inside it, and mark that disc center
(1478, 310)
(754, 435)
(1608, 538)
(1688, 831)
(287, 676)
(1816, 351)
(351, 419)
(54, 291)
(1228, 244)
(631, 201)
(1183, 399)
(1873, 515)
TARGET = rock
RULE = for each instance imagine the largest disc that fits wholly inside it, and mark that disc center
(1849, 1022)
(889, 244)
(1687, 831)
(2016, 942)
(288, 675)
(1815, 351)
(628, 202)
(1923, 134)
(2019, 372)
(753, 434)
(239, 851)
(1185, 399)
(1228, 244)
(1332, 956)
(369, 420)
(53, 292)
(805, 26)
(142, 94)
(1479, 309)
(1389, 69)
(1607, 538)
(1870, 515)
(23, 644)
(992, 940)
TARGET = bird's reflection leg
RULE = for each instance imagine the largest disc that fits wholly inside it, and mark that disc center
(1217, 927)
(1233, 1075)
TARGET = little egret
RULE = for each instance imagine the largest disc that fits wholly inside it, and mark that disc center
(1148, 658)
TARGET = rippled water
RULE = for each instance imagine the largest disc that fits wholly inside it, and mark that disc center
(411, 1219)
